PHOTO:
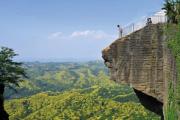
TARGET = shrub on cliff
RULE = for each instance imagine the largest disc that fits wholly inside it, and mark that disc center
(173, 42)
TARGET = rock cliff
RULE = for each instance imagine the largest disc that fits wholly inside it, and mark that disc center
(143, 61)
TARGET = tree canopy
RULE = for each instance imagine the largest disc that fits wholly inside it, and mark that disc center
(10, 72)
(172, 8)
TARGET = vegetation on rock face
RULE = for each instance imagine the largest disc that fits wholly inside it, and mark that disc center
(173, 106)
(73, 91)
(172, 8)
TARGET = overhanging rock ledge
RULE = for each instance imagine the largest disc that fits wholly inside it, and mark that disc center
(143, 61)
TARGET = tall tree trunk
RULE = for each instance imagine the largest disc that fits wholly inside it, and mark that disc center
(3, 113)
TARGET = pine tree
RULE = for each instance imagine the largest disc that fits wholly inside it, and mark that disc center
(10, 75)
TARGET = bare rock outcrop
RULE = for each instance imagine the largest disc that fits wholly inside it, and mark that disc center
(143, 61)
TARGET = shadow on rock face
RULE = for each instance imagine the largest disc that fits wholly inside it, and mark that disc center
(150, 103)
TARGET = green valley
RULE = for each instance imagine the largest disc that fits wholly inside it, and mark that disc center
(73, 91)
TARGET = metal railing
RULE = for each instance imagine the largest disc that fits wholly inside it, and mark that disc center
(134, 26)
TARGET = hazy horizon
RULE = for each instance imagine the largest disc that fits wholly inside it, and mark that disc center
(56, 59)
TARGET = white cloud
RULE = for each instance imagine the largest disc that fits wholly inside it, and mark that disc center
(86, 34)
(81, 33)
(92, 34)
(55, 35)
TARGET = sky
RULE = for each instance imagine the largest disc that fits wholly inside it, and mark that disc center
(55, 30)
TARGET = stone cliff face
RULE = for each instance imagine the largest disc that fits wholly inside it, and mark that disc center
(143, 61)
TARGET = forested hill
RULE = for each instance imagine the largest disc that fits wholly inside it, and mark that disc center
(60, 77)
(73, 91)
(95, 103)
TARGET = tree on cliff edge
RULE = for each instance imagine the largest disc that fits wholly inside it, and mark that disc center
(10, 74)
(172, 8)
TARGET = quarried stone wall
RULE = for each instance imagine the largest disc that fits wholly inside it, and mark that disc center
(143, 61)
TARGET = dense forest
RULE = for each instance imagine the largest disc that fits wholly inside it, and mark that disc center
(72, 91)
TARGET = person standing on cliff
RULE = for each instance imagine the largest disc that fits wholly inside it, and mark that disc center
(149, 21)
(120, 31)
